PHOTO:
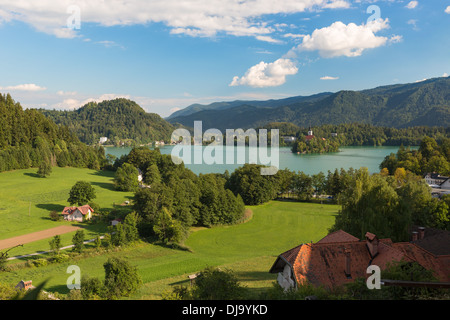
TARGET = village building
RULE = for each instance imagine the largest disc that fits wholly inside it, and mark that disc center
(25, 285)
(435, 180)
(288, 139)
(340, 258)
(310, 134)
(102, 140)
(440, 185)
(80, 214)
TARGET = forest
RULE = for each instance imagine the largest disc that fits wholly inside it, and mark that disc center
(122, 121)
(172, 198)
(28, 139)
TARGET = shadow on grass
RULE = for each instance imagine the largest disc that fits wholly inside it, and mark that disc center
(186, 283)
(254, 276)
(104, 185)
(58, 288)
(103, 173)
(50, 207)
(31, 174)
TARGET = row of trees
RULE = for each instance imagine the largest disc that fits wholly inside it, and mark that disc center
(386, 204)
(389, 205)
(432, 156)
(255, 188)
(359, 134)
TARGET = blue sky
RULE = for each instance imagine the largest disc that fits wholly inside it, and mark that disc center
(166, 55)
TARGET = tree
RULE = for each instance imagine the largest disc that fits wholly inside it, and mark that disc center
(384, 172)
(400, 176)
(118, 236)
(164, 226)
(98, 242)
(54, 215)
(81, 193)
(215, 284)
(130, 226)
(126, 178)
(78, 241)
(91, 288)
(45, 169)
(121, 278)
(152, 175)
(55, 244)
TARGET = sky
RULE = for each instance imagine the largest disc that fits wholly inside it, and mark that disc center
(169, 54)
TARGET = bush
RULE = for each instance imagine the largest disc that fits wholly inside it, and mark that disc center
(59, 258)
(39, 262)
(55, 216)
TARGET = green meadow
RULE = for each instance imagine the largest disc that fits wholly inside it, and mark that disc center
(249, 249)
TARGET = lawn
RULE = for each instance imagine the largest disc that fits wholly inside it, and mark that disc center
(26, 201)
(249, 248)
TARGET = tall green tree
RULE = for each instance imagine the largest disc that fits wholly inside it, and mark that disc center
(78, 241)
(121, 278)
(126, 178)
(81, 193)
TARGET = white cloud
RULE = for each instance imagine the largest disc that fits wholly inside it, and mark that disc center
(338, 4)
(77, 102)
(198, 18)
(447, 10)
(266, 74)
(66, 93)
(445, 74)
(294, 35)
(412, 4)
(395, 39)
(23, 87)
(329, 78)
(340, 39)
(174, 110)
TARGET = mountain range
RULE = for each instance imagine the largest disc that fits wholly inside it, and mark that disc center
(425, 103)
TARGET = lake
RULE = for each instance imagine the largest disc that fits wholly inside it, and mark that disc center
(348, 157)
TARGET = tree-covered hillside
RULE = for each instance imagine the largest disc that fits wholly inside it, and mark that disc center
(120, 120)
(28, 138)
(425, 103)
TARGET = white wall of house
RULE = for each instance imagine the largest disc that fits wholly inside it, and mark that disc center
(285, 279)
(446, 185)
(78, 216)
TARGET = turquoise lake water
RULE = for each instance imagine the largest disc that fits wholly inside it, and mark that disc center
(348, 157)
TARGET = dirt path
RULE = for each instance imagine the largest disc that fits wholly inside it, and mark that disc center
(39, 235)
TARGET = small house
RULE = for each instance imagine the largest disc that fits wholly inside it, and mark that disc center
(80, 214)
(25, 285)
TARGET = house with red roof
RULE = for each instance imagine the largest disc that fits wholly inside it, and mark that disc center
(80, 213)
(340, 258)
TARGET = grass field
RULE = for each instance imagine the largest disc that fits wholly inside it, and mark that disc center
(249, 249)
(26, 201)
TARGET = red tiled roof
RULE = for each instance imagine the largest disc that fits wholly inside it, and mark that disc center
(309, 137)
(338, 236)
(324, 262)
(83, 209)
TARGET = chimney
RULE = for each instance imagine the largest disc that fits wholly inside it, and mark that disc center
(421, 232)
(348, 261)
(372, 244)
(415, 236)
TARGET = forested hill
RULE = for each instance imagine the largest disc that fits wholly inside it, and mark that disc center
(28, 138)
(425, 103)
(120, 120)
